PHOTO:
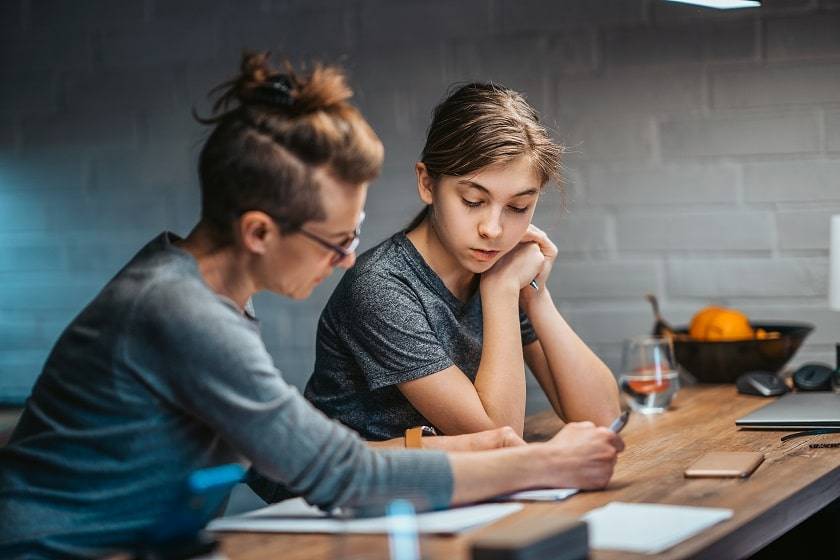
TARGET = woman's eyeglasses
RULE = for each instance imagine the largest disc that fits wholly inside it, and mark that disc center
(343, 250)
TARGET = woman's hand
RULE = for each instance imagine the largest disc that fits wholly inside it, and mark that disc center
(583, 456)
(549, 251)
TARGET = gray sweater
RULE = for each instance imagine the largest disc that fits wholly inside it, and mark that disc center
(159, 376)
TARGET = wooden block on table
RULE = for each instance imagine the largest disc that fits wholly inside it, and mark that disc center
(552, 536)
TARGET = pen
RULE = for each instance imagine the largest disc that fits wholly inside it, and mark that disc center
(619, 423)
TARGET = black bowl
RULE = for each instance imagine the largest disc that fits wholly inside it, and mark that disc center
(723, 361)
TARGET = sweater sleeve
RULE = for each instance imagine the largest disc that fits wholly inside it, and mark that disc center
(213, 364)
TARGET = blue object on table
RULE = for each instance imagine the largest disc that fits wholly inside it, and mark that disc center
(202, 498)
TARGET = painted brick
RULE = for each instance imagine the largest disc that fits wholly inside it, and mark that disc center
(36, 171)
(164, 44)
(416, 82)
(196, 81)
(46, 49)
(753, 277)
(606, 326)
(599, 139)
(68, 292)
(20, 369)
(776, 85)
(41, 93)
(798, 37)
(693, 43)
(667, 185)
(805, 229)
(409, 21)
(825, 321)
(832, 131)
(95, 13)
(29, 331)
(571, 280)
(120, 90)
(538, 15)
(11, 16)
(809, 353)
(790, 181)
(777, 133)
(176, 131)
(79, 130)
(30, 252)
(86, 251)
(104, 209)
(8, 144)
(21, 210)
(576, 232)
(299, 35)
(392, 202)
(187, 11)
(159, 167)
(644, 91)
(718, 231)
(500, 59)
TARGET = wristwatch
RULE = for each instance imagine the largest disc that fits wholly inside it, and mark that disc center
(414, 436)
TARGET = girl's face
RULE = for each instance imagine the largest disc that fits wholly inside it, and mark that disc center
(481, 217)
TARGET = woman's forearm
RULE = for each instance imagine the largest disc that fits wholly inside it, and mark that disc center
(481, 475)
(586, 388)
(500, 380)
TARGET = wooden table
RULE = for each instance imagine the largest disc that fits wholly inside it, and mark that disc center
(793, 483)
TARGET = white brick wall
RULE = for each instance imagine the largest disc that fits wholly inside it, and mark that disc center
(704, 146)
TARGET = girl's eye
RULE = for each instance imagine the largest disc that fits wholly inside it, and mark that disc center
(471, 203)
(518, 210)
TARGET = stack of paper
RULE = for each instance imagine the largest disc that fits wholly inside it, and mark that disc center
(543, 495)
(296, 516)
(648, 528)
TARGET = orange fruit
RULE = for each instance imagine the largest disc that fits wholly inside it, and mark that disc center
(720, 323)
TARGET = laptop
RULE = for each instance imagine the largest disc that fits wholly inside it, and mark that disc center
(796, 411)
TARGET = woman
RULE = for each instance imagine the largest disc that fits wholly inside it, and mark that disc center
(164, 371)
(427, 328)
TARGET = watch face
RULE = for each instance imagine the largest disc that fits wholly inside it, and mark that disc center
(428, 431)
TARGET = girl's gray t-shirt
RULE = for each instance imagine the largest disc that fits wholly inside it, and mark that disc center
(391, 320)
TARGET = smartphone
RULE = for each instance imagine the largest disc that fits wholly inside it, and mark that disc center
(619, 423)
(725, 464)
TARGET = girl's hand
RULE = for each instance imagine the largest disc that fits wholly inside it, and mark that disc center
(479, 441)
(549, 251)
(516, 269)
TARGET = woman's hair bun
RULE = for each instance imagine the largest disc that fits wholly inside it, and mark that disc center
(324, 88)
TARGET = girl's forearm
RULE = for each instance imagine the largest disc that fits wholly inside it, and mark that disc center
(500, 380)
(586, 388)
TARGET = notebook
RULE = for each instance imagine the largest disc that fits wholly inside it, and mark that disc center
(648, 528)
(296, 516)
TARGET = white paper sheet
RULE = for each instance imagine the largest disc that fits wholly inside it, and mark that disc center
(648, 528)
(542, 495)
(296, 516)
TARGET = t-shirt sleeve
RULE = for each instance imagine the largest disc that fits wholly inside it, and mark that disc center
(529, 335)
(389, 333)
(213, 364)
